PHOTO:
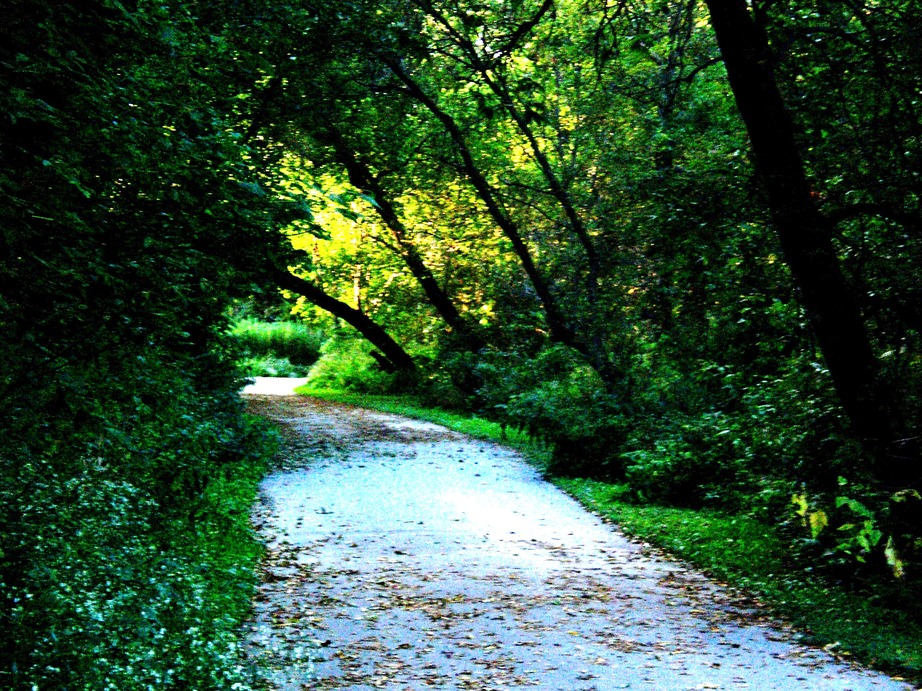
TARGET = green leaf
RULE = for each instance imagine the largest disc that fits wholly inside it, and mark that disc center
(818, 521)
(253, 188)
(894, 561)
(855, 506)
(800, 504)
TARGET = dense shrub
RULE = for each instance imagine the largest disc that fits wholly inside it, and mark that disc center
(128, 465)
(558, 399)
(346, 364)
(104, 603)
(690, 465)
(295, 342)
(739, 440)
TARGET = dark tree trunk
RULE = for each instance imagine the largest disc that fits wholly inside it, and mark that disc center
(806, 236)
(396, 356)
(557, 325)
(363, 178)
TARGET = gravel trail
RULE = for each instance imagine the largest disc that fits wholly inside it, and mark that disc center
(403, 556)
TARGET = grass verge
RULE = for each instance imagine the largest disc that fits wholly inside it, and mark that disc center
(747, 554)
(224, 537)
(738, 551)
(411, 406)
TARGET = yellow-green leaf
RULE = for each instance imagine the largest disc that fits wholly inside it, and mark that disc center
(818, 521)
(893, 558)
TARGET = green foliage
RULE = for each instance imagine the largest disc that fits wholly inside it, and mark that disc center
(345, 364)
(878, 532)
(104, 603)
(556, 398)
(270, 366)
(152, 152)
(293, 341)
(132, 566)
(691, 464)
(613, 147)
(128, 465)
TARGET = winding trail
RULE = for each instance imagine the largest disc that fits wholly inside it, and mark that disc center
(403, 556)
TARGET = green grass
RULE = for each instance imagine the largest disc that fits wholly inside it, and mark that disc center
(736, 550)
(749, 555)
(224, 537)
(295, 342)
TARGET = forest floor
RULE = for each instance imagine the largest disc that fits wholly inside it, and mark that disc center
(404, 556)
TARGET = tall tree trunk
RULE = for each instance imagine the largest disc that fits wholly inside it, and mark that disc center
(395, 358)
(806, 236)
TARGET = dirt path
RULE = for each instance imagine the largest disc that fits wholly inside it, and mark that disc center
(403, 556)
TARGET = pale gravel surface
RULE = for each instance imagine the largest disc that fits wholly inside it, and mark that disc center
(273, 386)
(403, 556)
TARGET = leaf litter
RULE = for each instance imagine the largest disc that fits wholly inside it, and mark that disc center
(403, 556)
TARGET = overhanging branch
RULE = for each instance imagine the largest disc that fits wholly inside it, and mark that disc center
(397, 357)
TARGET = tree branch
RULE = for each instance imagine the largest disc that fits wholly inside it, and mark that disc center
(375, 334)
(525, 28)
(556, 323)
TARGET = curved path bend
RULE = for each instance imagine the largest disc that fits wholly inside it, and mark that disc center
(403, 556)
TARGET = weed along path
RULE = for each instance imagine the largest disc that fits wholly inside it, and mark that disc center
(403, 556)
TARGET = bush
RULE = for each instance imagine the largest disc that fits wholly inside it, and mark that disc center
(122, 566)
(346, 365)
(558, 399)
(103, 605)
(297, 343)
(270, 366)
(719, 436)
(692, 465)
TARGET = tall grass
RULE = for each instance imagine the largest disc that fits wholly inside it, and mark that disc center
(283, 347)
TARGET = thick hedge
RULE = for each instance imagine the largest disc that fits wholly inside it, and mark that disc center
(127, 463)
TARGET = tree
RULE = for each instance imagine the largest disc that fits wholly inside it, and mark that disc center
(806, 234)
(363, 179)
(393, 358)
(127, 208)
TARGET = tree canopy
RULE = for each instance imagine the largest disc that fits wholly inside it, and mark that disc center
(646, 232)
(677, 241)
